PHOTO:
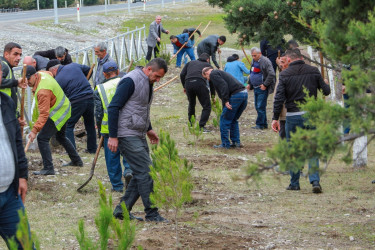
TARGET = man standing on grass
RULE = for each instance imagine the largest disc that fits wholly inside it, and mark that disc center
(129, 123)
(54, 111)
(13, 169)
(293, 81)
(153, 38)
(103, 96)
(234, 98)
(262, 80)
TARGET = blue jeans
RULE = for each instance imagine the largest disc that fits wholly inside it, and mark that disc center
(189, 51)
(10, 203)
(83, 108)
(292, 122)
(229, 119)
(137, 154)
(260, 101)
(113, 162)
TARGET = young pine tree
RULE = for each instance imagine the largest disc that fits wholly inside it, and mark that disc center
(195, 131)
(26, 240)
(122, 234)
(172, 177)
(218, 109)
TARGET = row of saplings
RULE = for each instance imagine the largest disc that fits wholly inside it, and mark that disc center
(172, 188)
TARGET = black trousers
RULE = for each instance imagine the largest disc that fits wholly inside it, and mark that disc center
(149, 51)
(43, 138)
(198, 88)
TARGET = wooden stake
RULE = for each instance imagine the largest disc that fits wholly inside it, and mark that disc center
(90, 72)
(165, 84)
(243, 50)
(27, 146)
(196, 41)
(192, 34)
(130, 65)
(220, 62)
(23, 97)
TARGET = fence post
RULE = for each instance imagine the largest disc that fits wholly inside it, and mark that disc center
(55, 11)
(78, 16)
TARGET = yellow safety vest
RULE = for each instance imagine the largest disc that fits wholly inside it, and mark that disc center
(7, 91)
(106, 92)
(61, 111)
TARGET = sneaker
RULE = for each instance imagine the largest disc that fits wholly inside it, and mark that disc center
(117, 213)
(373, 182)
(157, 218)
(293, 188)
(88, 152)
(258, 127)
(316, 188)
(73, 164)
(221, 146)
(45, 172)
(236, 145)
(117, 190)
(128, 177)
(206, 130)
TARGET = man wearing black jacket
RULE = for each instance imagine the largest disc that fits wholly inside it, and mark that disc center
(60, 53)
(195, 86)
(233, 95)
(13, 169)
(72, 79)
(210, 45)
(290, 90)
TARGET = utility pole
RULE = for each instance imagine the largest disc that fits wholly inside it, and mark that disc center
(37, 4)
(55, 10)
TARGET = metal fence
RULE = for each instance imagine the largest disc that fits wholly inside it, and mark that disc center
(122, 48)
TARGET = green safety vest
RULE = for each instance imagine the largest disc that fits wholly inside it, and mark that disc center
(61, 111)
(106, 92)
(7, 91)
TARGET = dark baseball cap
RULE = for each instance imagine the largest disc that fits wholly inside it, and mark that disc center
(52, 63)
(30, 70)
(110, 66)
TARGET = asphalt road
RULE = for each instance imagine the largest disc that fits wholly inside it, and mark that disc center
(44, 14)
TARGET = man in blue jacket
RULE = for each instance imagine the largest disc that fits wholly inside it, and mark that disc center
(177, 42)
(236, 68)
(73, 81)
(13, 168)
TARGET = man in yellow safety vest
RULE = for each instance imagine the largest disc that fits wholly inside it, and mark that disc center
(10, 59)
(54, 110)
(103, 96)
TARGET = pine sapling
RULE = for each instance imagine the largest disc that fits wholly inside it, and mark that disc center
(218, 109)
(23, 236)
(195, 131)
(172, 177)
(122, 234)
